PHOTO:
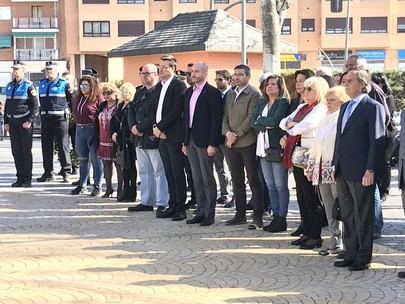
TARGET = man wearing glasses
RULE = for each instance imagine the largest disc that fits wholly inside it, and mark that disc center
(55, 95)
(154, 189)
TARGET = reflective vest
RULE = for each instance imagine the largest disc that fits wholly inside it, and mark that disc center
(21, 100)
(53, 96)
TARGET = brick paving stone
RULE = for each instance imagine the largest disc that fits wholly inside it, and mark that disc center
(56, 248)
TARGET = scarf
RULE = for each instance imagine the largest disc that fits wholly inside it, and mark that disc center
(292, 141)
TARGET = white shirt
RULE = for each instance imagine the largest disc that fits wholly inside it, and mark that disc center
(239, 90)
(263, 137)
(162, 95)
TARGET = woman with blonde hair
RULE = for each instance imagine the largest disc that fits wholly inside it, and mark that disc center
(320, 170)
(106, 149)
(300, 126)
(121, 135)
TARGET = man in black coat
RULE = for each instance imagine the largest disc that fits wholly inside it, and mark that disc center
(169, 131)
(203, 115)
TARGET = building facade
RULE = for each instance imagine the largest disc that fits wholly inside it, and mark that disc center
(79, 33)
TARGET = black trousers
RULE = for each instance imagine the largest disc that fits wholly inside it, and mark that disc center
(21, 147)
(173, 163)
(357, 210)
(384, 178)
(312, 212)
(55, 129)
(241, 159)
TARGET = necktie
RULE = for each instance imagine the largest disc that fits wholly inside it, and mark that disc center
(347, 114)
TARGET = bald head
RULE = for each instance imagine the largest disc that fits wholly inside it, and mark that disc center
(149, 75)
(199, 72)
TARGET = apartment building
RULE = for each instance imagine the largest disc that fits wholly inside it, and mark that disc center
(79, 33)
(29, 31)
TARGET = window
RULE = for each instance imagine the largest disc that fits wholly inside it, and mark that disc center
(251, 22)
(250, 1)
(338, 25)
(130, 1)
(286, 28)
(96, 28)
(96, 1)
(401, 25)
(187, 1)
(221, 1)
(5, 13)
(373, 24)
(36, 11)
(159, 23)
(308, 25)
(131, 28)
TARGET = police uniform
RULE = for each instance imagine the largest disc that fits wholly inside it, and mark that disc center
(21, 106)
(55, 97)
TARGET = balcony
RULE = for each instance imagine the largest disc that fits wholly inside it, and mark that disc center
(36, 54)
(35, 23)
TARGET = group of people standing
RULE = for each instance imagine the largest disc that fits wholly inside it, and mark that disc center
(332, 138)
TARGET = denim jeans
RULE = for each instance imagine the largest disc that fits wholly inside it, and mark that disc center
(276, 178)
(154, 188)
(1, 127)
(87, 152)
(378, 216)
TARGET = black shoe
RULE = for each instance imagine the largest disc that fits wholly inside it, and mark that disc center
(401, 274)
(358, 266)
(230, 204)
(96, 191)
(108, 193)
(222, 200)
(45, 178)
(279, 226)
(166, 213)
(257, 223)
(269, 226)
(311, 244)
(207, 222)
(79, 190)
(179, 216)
(300, 241)
(140, 207)
(236, 221)
(74, 171)
(195, 220)
(26, 184)
(343, 263)
(17, 184)
(191, 204)
(299, 230)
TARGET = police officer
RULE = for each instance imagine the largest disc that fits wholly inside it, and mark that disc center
(55, 96)
(20, 110)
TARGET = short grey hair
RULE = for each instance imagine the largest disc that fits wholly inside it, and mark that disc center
(363, 77)
(202, 65)
(361, 62)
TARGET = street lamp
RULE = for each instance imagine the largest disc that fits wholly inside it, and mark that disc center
(322, 54)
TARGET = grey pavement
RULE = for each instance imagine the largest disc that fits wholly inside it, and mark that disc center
(57, 248)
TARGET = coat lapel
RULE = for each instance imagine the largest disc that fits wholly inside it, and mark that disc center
(356, 113)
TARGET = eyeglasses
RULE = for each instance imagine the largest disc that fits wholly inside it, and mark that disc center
(108, 93)
(49, 69)
(146, 73)
(84, 86)
(308, 89)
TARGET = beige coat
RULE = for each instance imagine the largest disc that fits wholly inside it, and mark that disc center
(237, 113)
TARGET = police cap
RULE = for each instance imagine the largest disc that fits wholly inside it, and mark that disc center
(17, 64)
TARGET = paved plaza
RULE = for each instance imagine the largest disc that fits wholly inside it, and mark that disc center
(56, 248)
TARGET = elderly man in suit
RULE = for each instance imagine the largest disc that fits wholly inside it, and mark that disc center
(169, 131)
(359, 144)
(241, 143)
(203, 114)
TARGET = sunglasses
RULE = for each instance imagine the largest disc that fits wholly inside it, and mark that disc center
(84, 86)
(146, 73)
(308, 89)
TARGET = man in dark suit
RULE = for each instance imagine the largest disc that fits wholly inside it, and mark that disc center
(169, 130)
(359, 144)
(203, 114)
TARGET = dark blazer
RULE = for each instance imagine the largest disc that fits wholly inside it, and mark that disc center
(359, 147)
(279, 110)
(207, 119)
(172, 111)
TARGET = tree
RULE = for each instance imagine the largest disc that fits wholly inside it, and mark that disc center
(273, 13)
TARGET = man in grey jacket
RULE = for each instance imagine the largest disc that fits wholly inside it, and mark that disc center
(240, 140)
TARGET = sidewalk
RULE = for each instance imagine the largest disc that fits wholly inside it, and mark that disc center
(57, 248)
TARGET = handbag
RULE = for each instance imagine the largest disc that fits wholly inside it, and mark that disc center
(119, 157)
(300, 157)
(336, 210)
(274, 155)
